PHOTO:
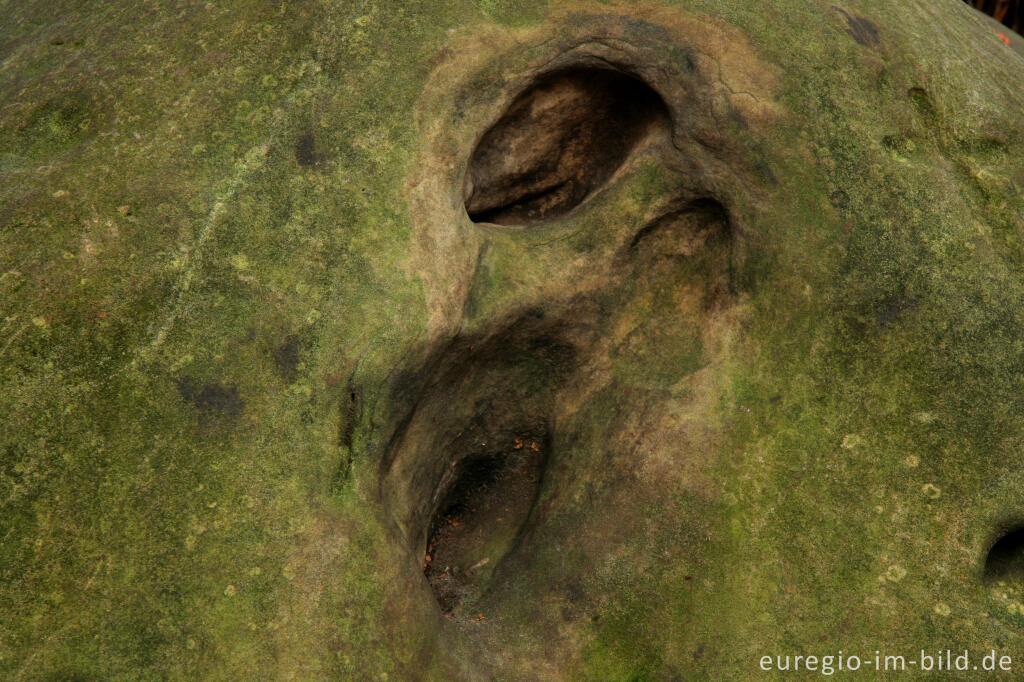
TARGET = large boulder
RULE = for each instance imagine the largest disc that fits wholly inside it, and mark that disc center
(504, 340)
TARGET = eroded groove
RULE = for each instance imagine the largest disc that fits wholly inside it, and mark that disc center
(558, 142)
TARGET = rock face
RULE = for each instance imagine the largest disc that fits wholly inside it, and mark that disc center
(496, 340)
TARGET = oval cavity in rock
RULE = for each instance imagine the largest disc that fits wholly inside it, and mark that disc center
(558, 142)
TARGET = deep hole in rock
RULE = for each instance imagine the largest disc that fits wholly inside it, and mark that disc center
(464, 468)
(482, 512)
(559, 141)
(1005, 561)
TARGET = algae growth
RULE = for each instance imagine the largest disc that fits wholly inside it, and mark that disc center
(773, 351)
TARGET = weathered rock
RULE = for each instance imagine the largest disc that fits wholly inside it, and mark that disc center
(493, 340)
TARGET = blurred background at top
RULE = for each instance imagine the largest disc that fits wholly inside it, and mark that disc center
(1010, 13)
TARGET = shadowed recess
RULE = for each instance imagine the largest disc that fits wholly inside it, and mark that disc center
(1005, 561)
(481, 513)
(464, 471)
(683, 232)
(559, 141)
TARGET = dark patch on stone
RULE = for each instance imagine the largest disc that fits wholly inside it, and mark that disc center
(212, 399)
(532, 330)
(305, 150)
(892, 309)
(286, 358)
(559, 141)
(765, 172)
(737, 118)
(574, 591)
(860, 29)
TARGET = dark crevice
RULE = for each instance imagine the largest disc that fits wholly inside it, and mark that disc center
(350, 412)
(522, 205)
